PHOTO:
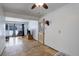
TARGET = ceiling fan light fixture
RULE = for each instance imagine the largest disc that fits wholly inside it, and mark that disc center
(39, 4)
(44, 5)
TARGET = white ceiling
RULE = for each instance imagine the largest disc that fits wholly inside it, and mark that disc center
(25, 8)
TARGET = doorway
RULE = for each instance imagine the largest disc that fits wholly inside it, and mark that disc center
(41, 34)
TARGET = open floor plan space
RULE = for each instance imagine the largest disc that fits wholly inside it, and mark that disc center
(18, 46)
(39, 29)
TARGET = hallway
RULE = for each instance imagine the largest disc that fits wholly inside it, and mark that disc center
(18, 46)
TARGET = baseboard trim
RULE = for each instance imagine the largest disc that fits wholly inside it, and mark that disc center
(2, 51)
(51, 48)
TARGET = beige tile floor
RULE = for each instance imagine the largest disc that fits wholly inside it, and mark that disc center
(18, 46)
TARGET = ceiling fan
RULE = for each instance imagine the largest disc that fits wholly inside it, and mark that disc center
(44, 5)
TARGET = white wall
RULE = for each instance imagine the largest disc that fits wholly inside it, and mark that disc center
(2, 27)
(33, 26)
(63, 32)
(25, 28)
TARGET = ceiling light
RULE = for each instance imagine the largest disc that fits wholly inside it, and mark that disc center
(39, 4)
(44, 5)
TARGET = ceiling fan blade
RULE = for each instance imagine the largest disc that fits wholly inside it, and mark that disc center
(45, 6)
(33, 6)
